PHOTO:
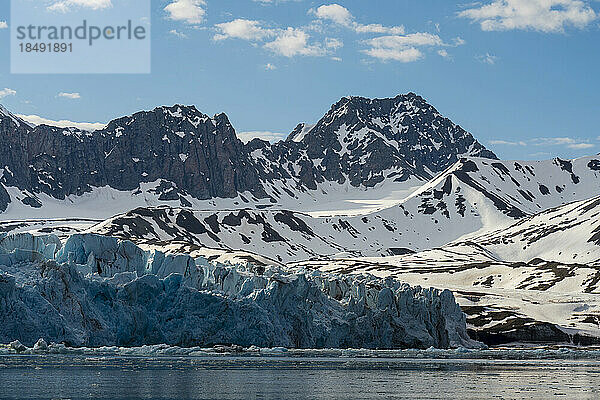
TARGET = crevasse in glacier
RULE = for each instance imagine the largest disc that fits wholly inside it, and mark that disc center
(99, 291)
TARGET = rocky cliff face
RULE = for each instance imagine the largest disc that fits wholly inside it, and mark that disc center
(198, 154)
(190, 151)
(185, 152)
(13, 134)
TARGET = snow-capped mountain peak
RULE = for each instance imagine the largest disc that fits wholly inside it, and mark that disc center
(367, 141)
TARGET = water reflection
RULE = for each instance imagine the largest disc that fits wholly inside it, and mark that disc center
(81, 377)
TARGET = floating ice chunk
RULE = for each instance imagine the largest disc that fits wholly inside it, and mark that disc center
(18, 346)
(274, 351)
(40, 346)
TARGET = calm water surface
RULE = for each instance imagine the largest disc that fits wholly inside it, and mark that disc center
(99, 377)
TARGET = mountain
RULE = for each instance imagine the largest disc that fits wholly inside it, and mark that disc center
(489, 194)
(281, 235)
(178, 156)
(367, 141)
(566, 234)
(386, 187)
(179, 149)
(473, 197)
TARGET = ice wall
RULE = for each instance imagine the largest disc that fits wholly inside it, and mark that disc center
(97, 291)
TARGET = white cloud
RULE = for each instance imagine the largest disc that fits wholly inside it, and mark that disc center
(270, 67)
(243, 29)
(293, 42)
(335, 13)
(403, 48)
(377, 28)
(288, 42)
(403, 55)
(267, 2)
(458, 41)
(37, 120)
(540, 154)
(188, 11)
(507, 143)
(581, 146)
(444, 53)
(68, 5)
(538, 15)
(3, 25)
(334, 44)
(488, 59)
(71, 96)
(569, 142)
(558, 141)
(413, 39)
(341, 16)
(7, 92)
(178, 34)
(264, 135)
(394, 44)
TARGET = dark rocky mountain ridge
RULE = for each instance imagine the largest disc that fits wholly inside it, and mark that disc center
(360, 141)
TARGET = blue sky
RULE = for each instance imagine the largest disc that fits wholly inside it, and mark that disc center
(521, 75)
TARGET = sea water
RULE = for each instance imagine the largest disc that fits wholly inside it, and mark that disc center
(304, 375)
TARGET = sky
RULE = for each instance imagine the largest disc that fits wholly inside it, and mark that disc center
(520, 75)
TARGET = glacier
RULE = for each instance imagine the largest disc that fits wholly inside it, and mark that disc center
(100, 291)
